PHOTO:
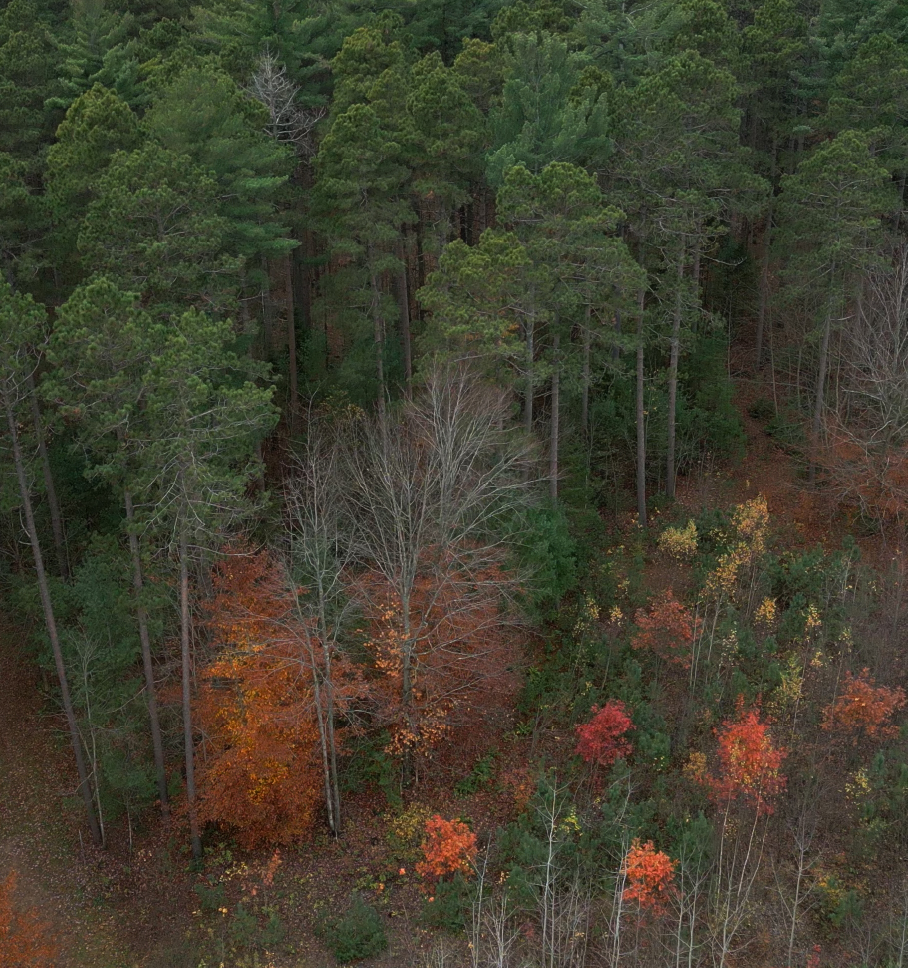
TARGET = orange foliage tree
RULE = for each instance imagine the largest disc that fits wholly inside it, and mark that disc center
(24, 938)
(667, 629)
(749, 762)
(649, 876)
(864, 707)
(449, 848)
(602, 740)
(447, 670)
(260, 765)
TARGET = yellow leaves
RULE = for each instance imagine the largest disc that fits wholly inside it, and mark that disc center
(679, 542)
(750, 528)
(767, 612)
(695, 768)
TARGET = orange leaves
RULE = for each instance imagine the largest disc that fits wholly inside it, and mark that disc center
(749, 762)
(667, 629)
(24, 941)
(864, 707)
(259, 773)
(649, 876)
(449, 848)
(602, 740)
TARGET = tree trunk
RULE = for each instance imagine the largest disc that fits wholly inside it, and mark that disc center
(530, 357)
(379, 337)
(556, 414)
(267, 322)
(764, 289)
(56, 518)
(147, 667)
(293, 374)
(585, 376)
(817, 422)
(50, 621)
(195, 839)
(675, 352)
(403, 304)
(640, 415)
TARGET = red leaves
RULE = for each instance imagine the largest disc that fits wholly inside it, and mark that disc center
(446, 671)
(667, 629)
(449, 848)
(649, 876)
(24, 941)
(864, 707)
(749, 762)
(602, 740)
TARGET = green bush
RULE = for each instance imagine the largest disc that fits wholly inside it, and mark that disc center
(358, 934)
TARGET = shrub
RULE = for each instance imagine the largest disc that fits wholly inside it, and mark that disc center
(359, 934)
(602, 740)
(449, 848)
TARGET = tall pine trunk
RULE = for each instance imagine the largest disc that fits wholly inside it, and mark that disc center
(585, 374)
(764, 290)
(820, 397)
(556, 416)
(378, 325)
(403, 305)
(138, 585)
(292, 366)
(530, 326)
(51, 623)
(195, 839)
(674, 353)
(640, 413)
(56, 518)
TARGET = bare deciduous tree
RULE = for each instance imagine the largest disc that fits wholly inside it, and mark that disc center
(426, 499)
(288, 122)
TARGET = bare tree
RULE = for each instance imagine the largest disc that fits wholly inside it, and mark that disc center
(426, 500)
(288, 122)
(319, 556)
(868, 426)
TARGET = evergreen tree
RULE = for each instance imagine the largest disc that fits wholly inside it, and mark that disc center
(830, 230)
(28, 78)
(101, 348)
(22, 331)
(204, 417)
(361, 200)
(546, 112)
(155, 227)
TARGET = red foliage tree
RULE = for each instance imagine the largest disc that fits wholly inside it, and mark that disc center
(749, 762)
(864, 707)
(259, 769)
(449, 848)
(667, 629)
(649, 876)
(24, 938)
(447, 675)
(602, 740)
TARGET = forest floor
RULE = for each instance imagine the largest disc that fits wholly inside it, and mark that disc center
(134, 905)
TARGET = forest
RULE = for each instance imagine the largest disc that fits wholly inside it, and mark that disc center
(453, 483)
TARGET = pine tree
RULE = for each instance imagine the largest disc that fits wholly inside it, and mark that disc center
(204, 416)
(22, 331)
(361, 200)
(101, 348)
(830, 229)
(155, 228)
(546, 112)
